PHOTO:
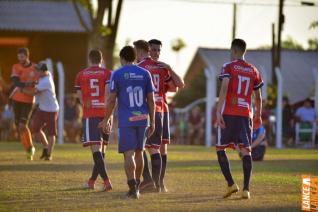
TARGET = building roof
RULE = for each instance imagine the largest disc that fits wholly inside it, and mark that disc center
(296, 66)
(41, 16)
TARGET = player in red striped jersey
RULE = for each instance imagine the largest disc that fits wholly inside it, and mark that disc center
(234, 113)
(92, 87)
(155, 50)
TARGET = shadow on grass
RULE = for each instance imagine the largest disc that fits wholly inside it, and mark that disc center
(262, 209)
(278, 166)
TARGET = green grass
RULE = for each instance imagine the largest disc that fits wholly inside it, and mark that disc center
(193, 179)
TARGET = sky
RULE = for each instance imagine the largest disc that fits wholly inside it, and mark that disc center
(208, 23)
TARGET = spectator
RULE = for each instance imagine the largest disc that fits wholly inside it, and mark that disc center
(196, 126)
(306, 113)
(7, 128)
(72, 119)
(288, 122)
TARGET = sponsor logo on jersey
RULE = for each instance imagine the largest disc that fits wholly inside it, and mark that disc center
(126, 76)
(135, 76)
(138, 117)
(241, 68)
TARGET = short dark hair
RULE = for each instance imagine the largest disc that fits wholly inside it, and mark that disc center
(23, 50)
(95, 56)
(239, 44)
(128, 53)
(155, 42)
(142, 44)
(41, 66)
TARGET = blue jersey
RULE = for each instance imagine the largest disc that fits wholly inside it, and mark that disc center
(257, 132)
(132, 84)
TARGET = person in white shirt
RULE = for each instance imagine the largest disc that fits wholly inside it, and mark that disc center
(47, 112)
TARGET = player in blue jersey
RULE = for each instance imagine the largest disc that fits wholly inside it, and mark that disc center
(132, 87)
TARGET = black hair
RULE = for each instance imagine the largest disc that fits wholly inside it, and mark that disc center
(128, 53)
(239, 44)
(155, 42)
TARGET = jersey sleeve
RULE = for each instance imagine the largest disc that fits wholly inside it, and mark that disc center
(15, 71)
(258, 83)
(114, 83)
(43, 85)
(108, 76)
(149, 86)
(225, 72)
(77, 85)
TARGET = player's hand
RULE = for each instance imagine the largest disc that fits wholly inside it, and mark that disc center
(220, 121)
(33, 83)
(150, 130)
(106, 126)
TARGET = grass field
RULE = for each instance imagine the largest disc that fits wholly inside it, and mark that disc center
(193, 179)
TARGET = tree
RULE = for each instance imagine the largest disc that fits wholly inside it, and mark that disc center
(101, 36)
(313, 25)
(313, 44)
(177, 45)
(290, 43)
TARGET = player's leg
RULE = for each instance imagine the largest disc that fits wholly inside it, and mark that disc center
(245, 140)
(128, 144)
(92, 137)
(37, 132)
(22, 113)
(225, 138)
(164, 149)
(94, 175)
(147, 178)
(153, 145)
(51, 125)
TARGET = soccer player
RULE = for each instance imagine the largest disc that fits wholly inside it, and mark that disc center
(46, 114)
(161, 77)
(234, 113)
(155, 50)
(132, 87)
(92, 87)
(24, 77)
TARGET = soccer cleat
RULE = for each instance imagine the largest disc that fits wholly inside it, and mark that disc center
(246, 194)
(163, 189)
(90, 184)
(44, 154)
(48, 157)
(147, 187)
(133, 194)
(107, 186)
(230, 190)
(30, 153)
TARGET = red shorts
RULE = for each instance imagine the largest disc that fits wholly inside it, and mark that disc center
(43, 119)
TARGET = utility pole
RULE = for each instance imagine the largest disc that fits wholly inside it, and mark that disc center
(234, 22)
(273, 54)
(281, 20)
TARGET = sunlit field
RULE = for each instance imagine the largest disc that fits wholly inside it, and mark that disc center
(193, 178)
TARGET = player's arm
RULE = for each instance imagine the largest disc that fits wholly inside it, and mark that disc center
(258, 105)
(79, 96)
(110, 105)
(151, 106)
(177, 80)
(106, 97)
(222, 96)
(30, 92)
(258, 140)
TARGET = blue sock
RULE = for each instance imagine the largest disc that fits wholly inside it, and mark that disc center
(247, 169)
(225, 167)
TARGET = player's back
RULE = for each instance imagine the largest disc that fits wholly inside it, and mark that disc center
(160, 75)
(132, 84)
(92, 81)
(244, 78)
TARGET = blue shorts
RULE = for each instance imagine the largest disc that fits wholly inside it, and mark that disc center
(166, 129)
(92, 135)
(154, 141)
(237, 131)
(258, 152)
(131, 138)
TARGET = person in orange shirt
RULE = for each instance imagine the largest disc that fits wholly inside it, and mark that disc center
(25, 77)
